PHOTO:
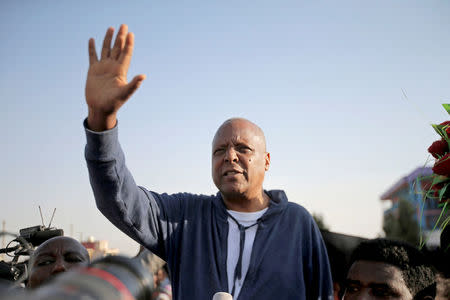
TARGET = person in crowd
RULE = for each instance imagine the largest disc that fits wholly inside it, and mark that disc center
(440, 257)
(163, 287)
(244, 240)
(55, 256)
(387, 269)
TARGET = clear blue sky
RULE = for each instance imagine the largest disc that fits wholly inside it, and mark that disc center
(323, 79)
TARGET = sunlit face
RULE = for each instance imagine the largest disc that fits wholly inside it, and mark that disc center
(55, 256)
(375, 280)
(239, 160)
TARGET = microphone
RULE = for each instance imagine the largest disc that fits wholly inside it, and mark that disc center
(222, 296)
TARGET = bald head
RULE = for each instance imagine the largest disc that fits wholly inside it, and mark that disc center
(54, 256)
(243, 123)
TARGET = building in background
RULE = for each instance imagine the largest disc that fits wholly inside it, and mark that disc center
(412, 189)
(98, 249)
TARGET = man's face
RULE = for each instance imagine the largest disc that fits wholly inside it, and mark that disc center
(160, 275)
(375, 280)
(239, 159)
(55, 256)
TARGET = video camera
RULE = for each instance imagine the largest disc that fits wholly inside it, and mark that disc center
(25, 242)
(109, 278)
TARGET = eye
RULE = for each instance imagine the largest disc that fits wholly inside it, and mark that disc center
(244, 149)
(219, 151)
(383, 292)
(45, 262)
(352, 288)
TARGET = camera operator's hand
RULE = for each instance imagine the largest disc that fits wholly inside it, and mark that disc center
(107, 88)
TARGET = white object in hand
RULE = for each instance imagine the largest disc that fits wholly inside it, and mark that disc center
(222, 296)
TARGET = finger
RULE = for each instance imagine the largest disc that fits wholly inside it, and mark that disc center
(120, 41)
(106, 50)
(127, 51)
(132, 86)
(92, 53)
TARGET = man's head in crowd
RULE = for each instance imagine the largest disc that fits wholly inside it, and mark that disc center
(54, 256)
(162, 274)
(386, 269)
(239, 160)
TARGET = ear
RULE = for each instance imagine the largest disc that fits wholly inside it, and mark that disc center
(267, 161)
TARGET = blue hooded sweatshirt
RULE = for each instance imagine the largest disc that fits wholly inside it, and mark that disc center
(288, 259)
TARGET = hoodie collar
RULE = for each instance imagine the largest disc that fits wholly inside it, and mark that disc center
(278, 202)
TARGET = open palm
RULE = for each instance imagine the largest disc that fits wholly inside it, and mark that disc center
(107, 88)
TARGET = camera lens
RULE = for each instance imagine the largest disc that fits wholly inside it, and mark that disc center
(112, 277)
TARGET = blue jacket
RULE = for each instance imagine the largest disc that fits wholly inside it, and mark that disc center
(288, 260)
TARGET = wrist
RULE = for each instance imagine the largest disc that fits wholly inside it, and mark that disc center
(97, 121)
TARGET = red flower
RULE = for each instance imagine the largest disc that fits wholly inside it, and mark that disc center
(442, 166)
(447, 130)
(437, 187)
(437, 190)
(443, 200)
(438, 148)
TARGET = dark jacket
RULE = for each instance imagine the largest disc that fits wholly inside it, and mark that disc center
(288, 260)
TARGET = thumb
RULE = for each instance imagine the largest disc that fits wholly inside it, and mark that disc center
(132, 86)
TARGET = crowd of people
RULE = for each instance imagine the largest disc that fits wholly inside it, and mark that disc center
(378, 269)
(247, 241)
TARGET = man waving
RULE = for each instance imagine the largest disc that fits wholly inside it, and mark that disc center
(245, 240)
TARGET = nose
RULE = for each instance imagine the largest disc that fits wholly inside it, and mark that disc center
(364, 295)
(59, 267)
(230, 155)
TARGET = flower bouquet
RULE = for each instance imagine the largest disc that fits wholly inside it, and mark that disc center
(440, 179)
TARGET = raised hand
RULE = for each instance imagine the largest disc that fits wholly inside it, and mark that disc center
(107, 88)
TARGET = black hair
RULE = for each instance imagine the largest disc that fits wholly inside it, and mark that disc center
(415, 268)
(165, 268)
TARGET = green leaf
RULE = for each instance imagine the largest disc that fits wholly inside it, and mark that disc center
(444, 132)
(438, 179)
(447, 107)
(438, 129)
(442, 192)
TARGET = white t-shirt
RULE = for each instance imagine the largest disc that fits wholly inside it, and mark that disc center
(245, 219)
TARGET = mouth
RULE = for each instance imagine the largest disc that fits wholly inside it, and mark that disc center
(231, 172)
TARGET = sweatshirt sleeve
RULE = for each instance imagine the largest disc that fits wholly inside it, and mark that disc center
(147, 217)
